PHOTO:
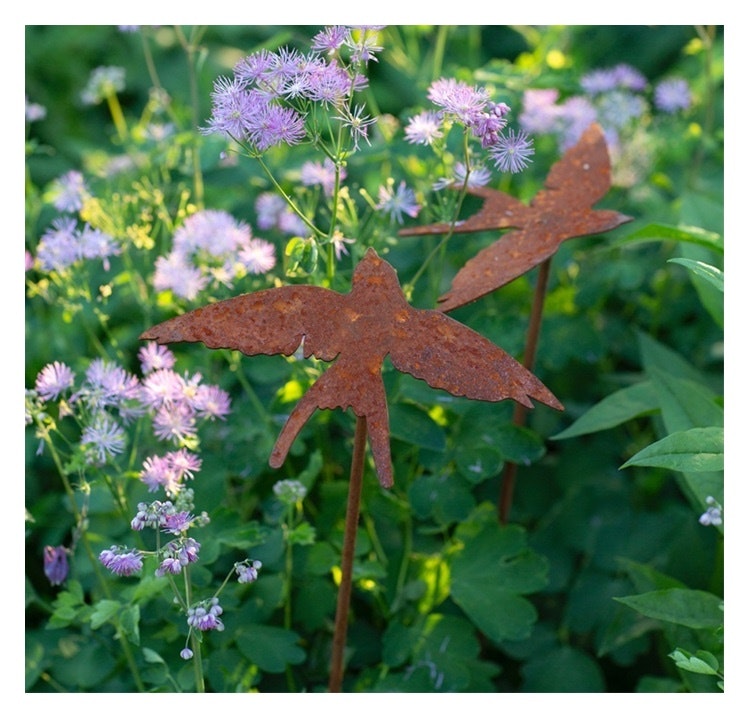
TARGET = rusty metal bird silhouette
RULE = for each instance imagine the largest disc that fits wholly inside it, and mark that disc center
(560, 212)
(358, 330)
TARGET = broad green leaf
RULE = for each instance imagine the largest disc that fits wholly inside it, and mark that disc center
(104, 611)
(270, 648)
(691, 608)
(411, 424)
(563, 669)
(444, 498)
(685, 402)
(151, 656)
(712, 274)
(711, 297)
(702, 662)
(657, 232)
(613, 410)
(694, 450)
(490, 574)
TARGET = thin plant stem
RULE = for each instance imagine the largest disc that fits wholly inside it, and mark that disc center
(347, 557)
(507, 487)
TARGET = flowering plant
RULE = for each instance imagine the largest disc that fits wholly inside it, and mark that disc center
(164, 554)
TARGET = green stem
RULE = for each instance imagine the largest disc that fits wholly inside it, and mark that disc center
(347, 558)
(115, 110)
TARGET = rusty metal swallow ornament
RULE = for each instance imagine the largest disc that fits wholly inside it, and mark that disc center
(560, 212)
(358, 330)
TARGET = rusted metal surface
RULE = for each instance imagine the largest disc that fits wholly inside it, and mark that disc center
(562, 211)
(358, 330)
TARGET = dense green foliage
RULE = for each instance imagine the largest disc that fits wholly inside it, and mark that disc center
(604, 580)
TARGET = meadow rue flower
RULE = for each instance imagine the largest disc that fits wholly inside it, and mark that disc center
(121, 561)
(618, 108)
(212, 402)
(102, 82)
(424, 128)
(175, 273)
(330, 39)
(56, 564)
(247, 570)
(205, 615)
(175, 422)
(64, 244)
(399, 201)
(70, 191)
(35, 111)
(512, 152)
(357, 124)
(163, 386)
(289, 492)
(103, 438)
(672, 95)
(320, 173)
(155, 357)
(478, 176)
(714, 513)
(58, 246)
(53, 380)
(258, 256)
(186, 653)
(169, 471)
(540, 113)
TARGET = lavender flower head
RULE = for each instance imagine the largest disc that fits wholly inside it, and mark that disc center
(103, 82)
(398, 201)
(247, 571)
(121, 561)
(53, 380)
(205, 615)
(211, 247)
(672, 95)
(70, 191)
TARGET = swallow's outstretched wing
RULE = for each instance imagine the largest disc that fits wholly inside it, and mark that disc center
(499, 210)
(450, 356)
(562, 210)
(267, 322)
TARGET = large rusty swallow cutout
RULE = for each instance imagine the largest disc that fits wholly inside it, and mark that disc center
(358, 330)
(562, 211)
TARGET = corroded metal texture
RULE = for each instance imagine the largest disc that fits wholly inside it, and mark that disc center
(562, 211)
(358, 330)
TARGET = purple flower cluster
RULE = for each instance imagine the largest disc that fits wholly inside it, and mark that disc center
(273, 212)
(121, 561)
(211, 247)
(247, 571)
(109, 398)
(672, 95)
(397, 201)
(614, 97)
(63, 244)
(471, 107)
(205, 615)
(265, 103)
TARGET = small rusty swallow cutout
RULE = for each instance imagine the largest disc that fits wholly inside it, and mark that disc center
(358, 330)
(562, 211)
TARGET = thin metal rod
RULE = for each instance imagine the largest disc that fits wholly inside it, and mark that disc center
(529, 358)
(347, 557)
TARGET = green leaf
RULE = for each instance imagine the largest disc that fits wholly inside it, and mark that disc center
(613, 410)
(270, 648)
(490, 574)
(563, 669)
(151, 656)
(702, 662)
(445, 498)
(710, 273)
(694, 450)
(691, 608)
(657, 232)
(302, 534)
(103, 612)
(410, 423)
